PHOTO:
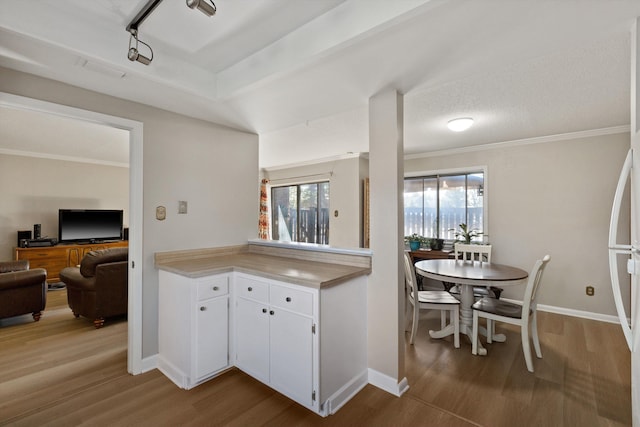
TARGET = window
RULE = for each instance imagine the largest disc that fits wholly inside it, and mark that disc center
(435, 205)
(300, 213)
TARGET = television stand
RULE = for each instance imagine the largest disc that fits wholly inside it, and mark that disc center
(55, 258)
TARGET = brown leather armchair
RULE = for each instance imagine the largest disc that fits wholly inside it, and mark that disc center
(98, 288)
(22, 290)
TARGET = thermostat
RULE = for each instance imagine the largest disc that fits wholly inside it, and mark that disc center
(161, 213)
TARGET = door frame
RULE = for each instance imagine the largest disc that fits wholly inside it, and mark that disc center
(134, 343)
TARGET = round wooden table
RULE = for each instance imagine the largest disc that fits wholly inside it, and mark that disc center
(468, 274)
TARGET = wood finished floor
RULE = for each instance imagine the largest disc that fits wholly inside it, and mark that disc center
(62, 372)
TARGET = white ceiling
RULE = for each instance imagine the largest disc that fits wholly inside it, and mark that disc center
(300, 72)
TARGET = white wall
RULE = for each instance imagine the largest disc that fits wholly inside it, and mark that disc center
(553, 198)
(345, 194)
(33, 189)
(213, 168)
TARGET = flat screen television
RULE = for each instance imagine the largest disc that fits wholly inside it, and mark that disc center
(89, 225)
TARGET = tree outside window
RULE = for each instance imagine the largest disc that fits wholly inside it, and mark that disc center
(300, 213)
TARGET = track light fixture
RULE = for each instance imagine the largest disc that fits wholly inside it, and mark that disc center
(134, 54)
(203, 6)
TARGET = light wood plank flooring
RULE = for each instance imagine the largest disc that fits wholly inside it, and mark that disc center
(63, 372)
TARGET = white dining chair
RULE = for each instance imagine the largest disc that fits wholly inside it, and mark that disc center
(469, 252)
(521, 315)
(480, 253)
(431, 300)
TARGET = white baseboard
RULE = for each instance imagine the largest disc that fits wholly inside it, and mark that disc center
(387, 383)
(579, 313)
(149, 363)
(572, 312)
(174, 374)
(345, 393)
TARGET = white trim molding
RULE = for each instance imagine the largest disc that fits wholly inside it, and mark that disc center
(573, 312)
(314, 162)
(387, 383)
(526, 141)
(63, 158)
(149, 364)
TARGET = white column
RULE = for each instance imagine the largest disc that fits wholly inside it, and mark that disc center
(385, 293)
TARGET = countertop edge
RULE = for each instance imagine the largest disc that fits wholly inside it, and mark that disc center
(178, 267)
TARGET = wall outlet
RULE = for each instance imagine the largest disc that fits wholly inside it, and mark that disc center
(590, 290)
(182, 207)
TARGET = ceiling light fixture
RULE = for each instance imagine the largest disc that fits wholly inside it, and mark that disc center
(203, 6)
(460, 124)
(134, 54)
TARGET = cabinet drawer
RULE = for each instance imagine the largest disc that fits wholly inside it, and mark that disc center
(211, 287)
(51, 264)
(252, 289)
(56, 256)
(292, 299)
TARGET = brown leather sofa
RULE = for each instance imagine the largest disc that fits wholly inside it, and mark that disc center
(22, 290)
(98, 288)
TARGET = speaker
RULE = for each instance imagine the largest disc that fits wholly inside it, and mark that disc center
(37, 231)
(125, 233)
(23, 235)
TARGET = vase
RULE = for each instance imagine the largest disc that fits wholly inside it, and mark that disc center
(414, 245)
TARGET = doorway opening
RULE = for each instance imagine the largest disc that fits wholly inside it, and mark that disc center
(135, 129)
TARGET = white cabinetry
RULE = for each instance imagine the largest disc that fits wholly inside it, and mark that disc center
(193, 327)
(308, 343)
(275, 335)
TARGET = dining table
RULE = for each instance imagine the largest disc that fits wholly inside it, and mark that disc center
(468, 274)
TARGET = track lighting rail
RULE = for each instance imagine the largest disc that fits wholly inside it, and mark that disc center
(142, 15)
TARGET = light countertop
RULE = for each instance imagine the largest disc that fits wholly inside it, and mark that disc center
(298, 271)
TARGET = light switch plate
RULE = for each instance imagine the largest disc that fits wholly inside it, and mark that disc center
(182, 207)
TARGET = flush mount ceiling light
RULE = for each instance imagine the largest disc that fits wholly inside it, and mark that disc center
(203, 6)
(460, 124)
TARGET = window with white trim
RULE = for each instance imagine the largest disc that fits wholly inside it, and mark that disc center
(435, 205)
(300, 213)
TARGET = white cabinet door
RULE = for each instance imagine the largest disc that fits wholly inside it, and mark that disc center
(291, 354)
(211, 338)
(252, 338)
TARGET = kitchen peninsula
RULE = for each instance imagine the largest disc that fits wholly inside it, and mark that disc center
(291, 315)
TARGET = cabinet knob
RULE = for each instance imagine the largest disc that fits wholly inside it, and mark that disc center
(288, 299)
(203, 308)
(249, 288)
(271, 312)
(264, 310)
(215, 288)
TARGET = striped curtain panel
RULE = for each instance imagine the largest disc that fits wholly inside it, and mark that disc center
(263, 222)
